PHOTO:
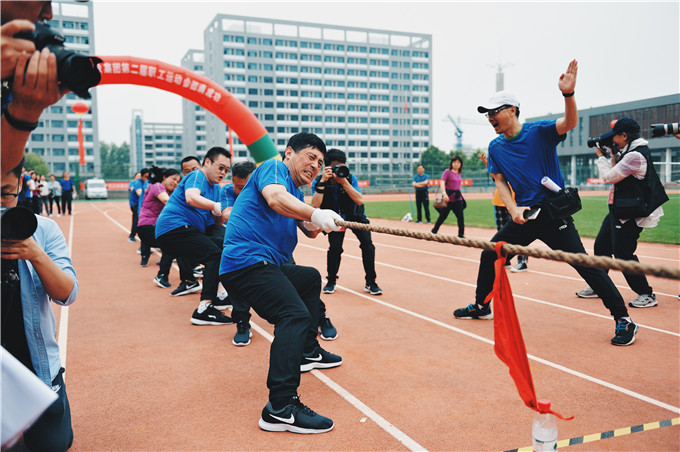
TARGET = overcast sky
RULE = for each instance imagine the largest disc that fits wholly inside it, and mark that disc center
(626, 51)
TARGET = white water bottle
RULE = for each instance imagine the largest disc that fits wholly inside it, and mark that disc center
(544, 429)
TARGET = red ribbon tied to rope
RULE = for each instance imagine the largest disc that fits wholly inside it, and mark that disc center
(509, 344)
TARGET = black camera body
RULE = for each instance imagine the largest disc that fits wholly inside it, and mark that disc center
(18, 223)
(604, 140)
(661, 130)
(76, 72)
(340, 170)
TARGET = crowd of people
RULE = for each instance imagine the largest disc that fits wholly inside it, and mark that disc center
(239, 239)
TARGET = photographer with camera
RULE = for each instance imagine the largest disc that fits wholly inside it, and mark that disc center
(338, 190)
(36, 267)
(29, 77)
(631, 172)
(523, 155)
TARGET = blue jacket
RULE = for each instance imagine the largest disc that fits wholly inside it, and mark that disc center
(39, 322)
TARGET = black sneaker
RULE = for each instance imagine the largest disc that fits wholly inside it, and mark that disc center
(186, 287)
(319, 359)
(625, 332)
(473, 312)
(327, 330)
(372, 288)
(144, 262)
(198, 271)
(222, 304)
(162, 281)
(243, 334)
(294, 417)
(329, 287)
(210, 316)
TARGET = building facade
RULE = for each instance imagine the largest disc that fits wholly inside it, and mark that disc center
(365, 91)
(154, 143)
(56, 138)
(578, 162)
(194, 139)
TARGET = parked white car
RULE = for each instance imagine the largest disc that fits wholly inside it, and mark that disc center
(96, 188)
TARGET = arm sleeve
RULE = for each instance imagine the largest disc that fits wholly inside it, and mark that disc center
(57, 250)
(633, 163)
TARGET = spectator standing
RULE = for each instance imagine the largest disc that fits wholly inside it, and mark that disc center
(55, 195)
(449, 185)
(45, 195)
(68, 189)
(134, 204)
(34, 185)
(420, 185)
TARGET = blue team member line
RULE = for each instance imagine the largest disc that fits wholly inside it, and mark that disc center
(183, 231)
(260, 239)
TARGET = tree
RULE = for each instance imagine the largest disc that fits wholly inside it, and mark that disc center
(434, 160)
(115, 160)
(33, 161)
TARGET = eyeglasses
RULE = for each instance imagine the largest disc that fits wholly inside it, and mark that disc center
(495, 111)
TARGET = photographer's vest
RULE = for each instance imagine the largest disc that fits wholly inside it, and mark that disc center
(336, 198)
(635, 198)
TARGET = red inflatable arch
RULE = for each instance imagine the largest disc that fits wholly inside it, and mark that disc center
(196, 88)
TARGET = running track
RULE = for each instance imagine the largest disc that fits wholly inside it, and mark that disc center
(140, 376)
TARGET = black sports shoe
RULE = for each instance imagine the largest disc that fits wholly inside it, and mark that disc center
(144, 262)
(162, 281)
(186, 287)
(329, 287)
(625, 332)
(372, 288)
(210, 316)
(294, 417)
(473, 312)
(319, 359)
(243, 334)
(198, 271)
(222, 304)
(327, 330)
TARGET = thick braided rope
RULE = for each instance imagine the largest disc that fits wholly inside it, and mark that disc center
(555, 255)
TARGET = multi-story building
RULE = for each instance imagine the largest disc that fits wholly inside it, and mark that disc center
(365, 91)
(577, 161)
(56, 138)
(194, 140)
(154, 143)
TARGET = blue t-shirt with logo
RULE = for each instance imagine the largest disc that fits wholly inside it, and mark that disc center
(255, 232)
(177, 212)
(526, 158)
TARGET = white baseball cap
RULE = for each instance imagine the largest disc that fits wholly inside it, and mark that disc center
(498, 100)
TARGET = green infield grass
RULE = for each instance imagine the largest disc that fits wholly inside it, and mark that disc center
(479, 213)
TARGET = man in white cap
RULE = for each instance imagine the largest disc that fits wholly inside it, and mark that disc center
(522, 155)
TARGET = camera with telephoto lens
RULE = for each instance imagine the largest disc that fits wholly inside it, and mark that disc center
(340, 170)
(18, 223)
(76, 72)
(661, 130)
(604, 140)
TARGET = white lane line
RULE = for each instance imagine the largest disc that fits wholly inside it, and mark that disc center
(342, 392)
(400, 436)
(554, 275)
(576, 373)
(463, 283)
(62, 338)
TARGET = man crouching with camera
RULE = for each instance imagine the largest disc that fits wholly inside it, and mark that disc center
(338, 190)
(36, 267)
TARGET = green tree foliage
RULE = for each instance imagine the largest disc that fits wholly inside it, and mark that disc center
(33, 161)
(434, 160)
(115, 161)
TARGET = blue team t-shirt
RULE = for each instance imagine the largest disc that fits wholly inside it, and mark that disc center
(66, 185)
(134, 197)
(423, 178)
(526, 158)
(177, 212)
(255, 232)
(227, 196)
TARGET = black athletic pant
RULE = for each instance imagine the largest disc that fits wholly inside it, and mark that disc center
(135, 218)
(191, 244)
(558, 235)
(422, 201)
(457, 208)
(620, 240)
(66, 198)
(335, 240)
(288, 298)
(52, 431)
(147, 234)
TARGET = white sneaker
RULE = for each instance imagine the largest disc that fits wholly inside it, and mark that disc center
(58, 215)
(644, 301)
(587, 293)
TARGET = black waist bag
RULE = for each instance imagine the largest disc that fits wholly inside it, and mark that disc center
(562, 204)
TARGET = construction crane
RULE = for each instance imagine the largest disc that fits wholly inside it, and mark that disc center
(459, 134)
